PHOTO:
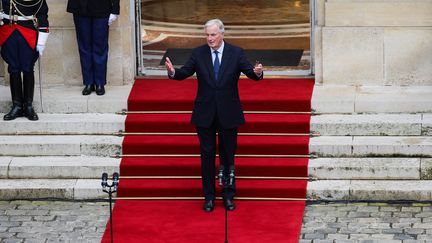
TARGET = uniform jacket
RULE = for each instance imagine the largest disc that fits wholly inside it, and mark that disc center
(94, 8)
(27, 28)
(222, 97)
(41, 14)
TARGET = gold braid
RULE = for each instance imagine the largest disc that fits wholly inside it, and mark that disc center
(29, 5)
(34, 19)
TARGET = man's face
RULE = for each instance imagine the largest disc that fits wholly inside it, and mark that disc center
(214, 37)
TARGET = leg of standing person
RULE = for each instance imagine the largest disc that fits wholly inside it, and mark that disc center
(28, 94)
(207, 138)
(9, 53)
(29, 58)
(20, 58)
(83, 27)
(17, 100)
(100, 53)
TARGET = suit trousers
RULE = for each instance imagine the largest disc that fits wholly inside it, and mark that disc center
(227, 145)
(92, 37)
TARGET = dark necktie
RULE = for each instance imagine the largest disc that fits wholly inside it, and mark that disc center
(216, 65)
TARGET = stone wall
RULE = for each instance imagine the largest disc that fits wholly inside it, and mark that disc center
(381, 42)
(60, 62)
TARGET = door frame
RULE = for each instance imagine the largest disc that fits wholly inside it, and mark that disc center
(140, 69)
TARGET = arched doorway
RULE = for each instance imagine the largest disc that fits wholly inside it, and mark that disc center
(277, 31)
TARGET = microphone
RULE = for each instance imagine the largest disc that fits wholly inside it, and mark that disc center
(231, 175)
(104, 182)
(220, 175)
(115, 180)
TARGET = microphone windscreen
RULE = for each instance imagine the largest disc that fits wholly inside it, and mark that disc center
(104, 176)
(116, 176)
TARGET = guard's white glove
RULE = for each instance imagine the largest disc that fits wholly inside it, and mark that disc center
(42, 39)
(112, 18)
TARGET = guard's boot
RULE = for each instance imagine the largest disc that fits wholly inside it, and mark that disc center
(29, 82)
(17, 97)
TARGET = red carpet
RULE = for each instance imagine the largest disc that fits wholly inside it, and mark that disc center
(161, 154)
(183, 221)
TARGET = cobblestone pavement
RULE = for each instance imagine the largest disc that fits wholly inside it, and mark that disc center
(52, 221)
(59, 221)
(367, 223)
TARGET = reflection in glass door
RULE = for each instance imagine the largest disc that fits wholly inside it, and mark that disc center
(270, 29)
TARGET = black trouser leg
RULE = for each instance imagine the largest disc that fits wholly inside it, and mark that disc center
(29, 83)
(207, 138)
(17, 97)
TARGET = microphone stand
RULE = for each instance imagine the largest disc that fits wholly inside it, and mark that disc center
(226, 225)
(40, 81)
(110, 189)
(225, 182)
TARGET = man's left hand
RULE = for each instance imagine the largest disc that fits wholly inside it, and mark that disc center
(258, 69)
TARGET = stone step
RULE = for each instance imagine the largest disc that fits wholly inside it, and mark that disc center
(371, 146)
(80, 189)
(371, 190)
(60, 145)
(86, 167)
(372, 99)
(371, 168)
(323, 168)
(329, 124)
(68, 99)
(325, 99)
(323, 146)
(372, 124)
(63, 124)
(57, 167)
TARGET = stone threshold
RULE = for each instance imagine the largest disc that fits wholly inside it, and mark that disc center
(328, 99)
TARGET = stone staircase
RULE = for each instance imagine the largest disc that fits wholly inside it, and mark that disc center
(375, 144)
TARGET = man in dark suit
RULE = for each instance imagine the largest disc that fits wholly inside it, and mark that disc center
(92, 19)
(217, 106)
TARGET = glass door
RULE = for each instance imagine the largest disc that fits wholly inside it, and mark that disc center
(276, 32)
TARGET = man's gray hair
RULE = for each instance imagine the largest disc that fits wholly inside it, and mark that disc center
(216, 22)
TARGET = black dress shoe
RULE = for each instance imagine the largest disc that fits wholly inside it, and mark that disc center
(15, 112)
(88, 89)
(30, 113)
(100, 90)
(229, 204)
(208, 206)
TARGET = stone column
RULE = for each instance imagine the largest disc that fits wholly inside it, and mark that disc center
(317, 25)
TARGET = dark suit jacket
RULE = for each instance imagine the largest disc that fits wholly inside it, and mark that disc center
(94, 8)
(220, 98)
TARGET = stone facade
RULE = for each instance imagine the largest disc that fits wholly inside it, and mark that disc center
(383, 42)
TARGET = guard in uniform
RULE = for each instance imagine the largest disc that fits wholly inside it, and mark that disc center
(92, 19)
(23, 34)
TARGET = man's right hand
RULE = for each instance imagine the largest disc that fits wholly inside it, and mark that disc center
(169, 67)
